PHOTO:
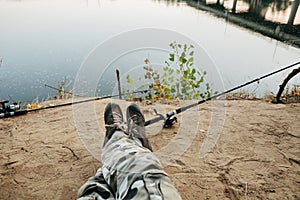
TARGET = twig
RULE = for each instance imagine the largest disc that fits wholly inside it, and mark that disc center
(292, 135)
(10, 163)
(77, 158)
(229, 191)
(295, 160)
(233, 160)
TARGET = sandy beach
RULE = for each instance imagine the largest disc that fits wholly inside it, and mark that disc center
(237, 149)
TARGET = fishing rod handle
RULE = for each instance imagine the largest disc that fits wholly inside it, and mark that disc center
(154, 120)
(161, 117)
(13, 113)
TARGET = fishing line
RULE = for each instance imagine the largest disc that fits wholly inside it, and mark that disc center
(86, 100)
(169, 119)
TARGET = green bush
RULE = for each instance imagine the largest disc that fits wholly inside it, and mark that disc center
(180, 78)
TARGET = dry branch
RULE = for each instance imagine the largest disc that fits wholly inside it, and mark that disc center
(77, 158)
(286, 80)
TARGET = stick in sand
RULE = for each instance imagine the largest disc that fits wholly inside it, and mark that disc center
(119, 84)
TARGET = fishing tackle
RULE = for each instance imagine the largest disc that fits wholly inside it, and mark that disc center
(169, 119)
(10, 111)
(169, 122)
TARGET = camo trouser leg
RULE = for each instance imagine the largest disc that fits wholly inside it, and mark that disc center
(133, 172)
(96, 188)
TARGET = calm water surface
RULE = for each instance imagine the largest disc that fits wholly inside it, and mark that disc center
(42, 41)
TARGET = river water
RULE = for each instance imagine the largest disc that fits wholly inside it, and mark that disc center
(43, 41)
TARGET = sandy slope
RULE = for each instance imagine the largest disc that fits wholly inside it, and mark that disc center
(256, 156)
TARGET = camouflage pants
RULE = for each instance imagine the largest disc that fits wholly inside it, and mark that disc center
(129, 171)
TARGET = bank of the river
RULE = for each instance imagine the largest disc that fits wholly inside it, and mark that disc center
(43, 156)
(287, 34)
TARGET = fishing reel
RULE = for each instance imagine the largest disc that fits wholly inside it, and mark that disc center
(168, 122)
(8, 110)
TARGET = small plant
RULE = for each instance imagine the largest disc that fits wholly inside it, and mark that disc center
(130, 82)
(155, 82)
(180, 78)
(61, 92)
(296, 90)
(188, 78)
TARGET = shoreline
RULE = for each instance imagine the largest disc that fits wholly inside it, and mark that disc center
(43, 155)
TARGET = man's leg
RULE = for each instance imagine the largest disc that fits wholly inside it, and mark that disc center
(129, 166)
(96, 188)
(130, 170)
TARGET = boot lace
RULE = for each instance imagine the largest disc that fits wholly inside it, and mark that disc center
(118, 122)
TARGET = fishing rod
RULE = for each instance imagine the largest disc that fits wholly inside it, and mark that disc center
(169, 120)
(60, 90)
(86, 100)
(13, 110)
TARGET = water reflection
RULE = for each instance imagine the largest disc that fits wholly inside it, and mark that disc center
(274, 18)
(280, 11)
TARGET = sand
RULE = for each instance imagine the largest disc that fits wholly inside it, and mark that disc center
(234, 149)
